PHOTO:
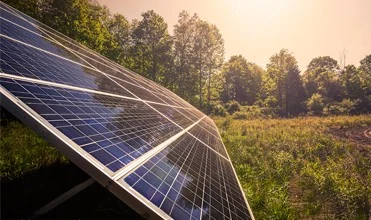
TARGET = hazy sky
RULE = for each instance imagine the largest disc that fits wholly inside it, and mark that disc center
(257, 29)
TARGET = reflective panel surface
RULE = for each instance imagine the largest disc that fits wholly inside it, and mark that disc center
(129, 133)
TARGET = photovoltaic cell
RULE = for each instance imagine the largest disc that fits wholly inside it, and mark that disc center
(129, 133)
(206, 137)
(113, 130)
(189, 181)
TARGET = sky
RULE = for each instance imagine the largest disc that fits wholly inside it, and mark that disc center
(258, 29)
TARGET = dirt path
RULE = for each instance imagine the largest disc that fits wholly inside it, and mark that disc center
(367, 133)
(360, 135)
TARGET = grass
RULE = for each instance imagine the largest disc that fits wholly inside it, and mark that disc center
(295, 168)
(289, 169)
(23, 151)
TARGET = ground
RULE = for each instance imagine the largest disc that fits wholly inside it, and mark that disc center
(359, 135)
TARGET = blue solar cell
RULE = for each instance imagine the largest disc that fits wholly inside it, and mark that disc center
(115, 151)
(144, 188)
(103, 156)
(83, 128)
(197, 183)
(115, 165)
(158, 198)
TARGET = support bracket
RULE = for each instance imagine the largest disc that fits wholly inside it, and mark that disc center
(65, 196)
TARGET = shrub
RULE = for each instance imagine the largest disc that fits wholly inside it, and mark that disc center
(339, 108)
(219, 110)
(233, 106)
(315, 104)
(241, 115)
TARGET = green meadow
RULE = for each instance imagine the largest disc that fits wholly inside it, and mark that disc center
(300, 168)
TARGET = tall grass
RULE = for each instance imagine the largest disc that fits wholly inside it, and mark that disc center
(294, 168)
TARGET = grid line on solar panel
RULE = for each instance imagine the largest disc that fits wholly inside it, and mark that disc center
(209, 140)
(113, 131)
(178, 120)
(5, 75)
(29, 61)
(181, 181)
(30, 25)
(147, 95)
(157, 94)
(151, 153)
(142, 95)
(163, 97)
(169, 175)
(152, 85)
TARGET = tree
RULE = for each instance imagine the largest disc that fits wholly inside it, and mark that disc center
(152, 45)
(242, 80)
(295, 92)
(215, 57)
(365, 78)
(85, 22)
(351, 81)
(322, 64)
(322, 76)
(284, 72)
(208, 55)
(120, 30)
(184, 33)
(199, 51)
(366, 64)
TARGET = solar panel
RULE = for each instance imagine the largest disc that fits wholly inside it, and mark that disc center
(150, 148)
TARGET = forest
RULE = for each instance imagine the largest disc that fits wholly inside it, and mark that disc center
(191, 62)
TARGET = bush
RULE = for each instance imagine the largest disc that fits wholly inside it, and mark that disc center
(315, 104)
(241, 115)
(218, 110)
(339, 108)
(249, 112)
(233, 106)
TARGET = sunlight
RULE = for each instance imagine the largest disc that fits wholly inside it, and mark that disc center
(262, 9)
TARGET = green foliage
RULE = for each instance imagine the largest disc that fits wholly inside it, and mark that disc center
(286, 86)
(323, 64)
(366, 64)
(219, 110)
(22, 151)
(233, 106)
(315, 104)
(294, 169)
(340, 108)
(242, 81)
(250, 112)
(153, 46)
(322, 76)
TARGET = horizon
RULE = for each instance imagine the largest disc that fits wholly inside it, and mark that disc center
(308, 29)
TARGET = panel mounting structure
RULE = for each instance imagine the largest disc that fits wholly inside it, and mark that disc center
(146, 145)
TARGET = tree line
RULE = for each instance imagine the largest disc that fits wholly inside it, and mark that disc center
(191, 63)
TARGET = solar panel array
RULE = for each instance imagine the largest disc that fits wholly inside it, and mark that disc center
(149, 147)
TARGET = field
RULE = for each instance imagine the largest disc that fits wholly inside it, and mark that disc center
(301, 168)
(304, 167)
